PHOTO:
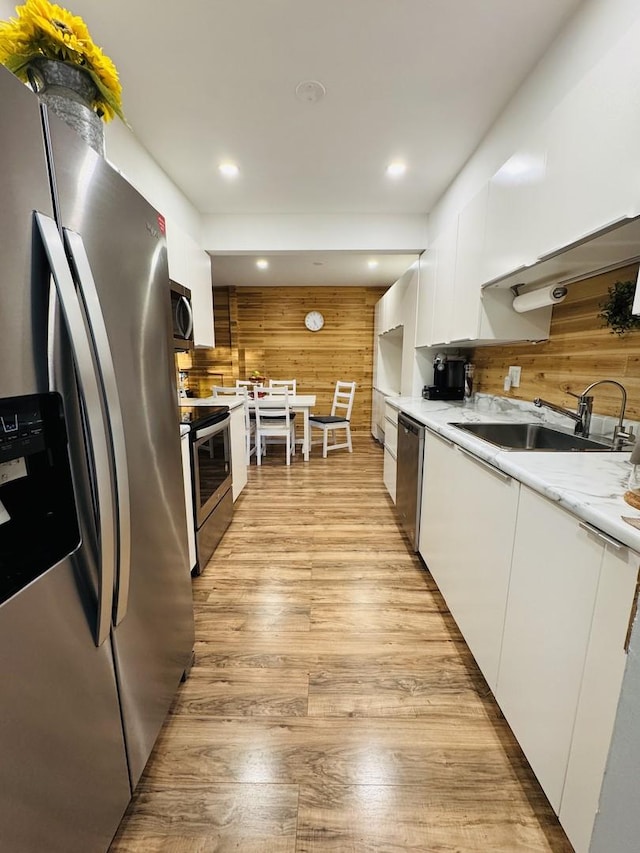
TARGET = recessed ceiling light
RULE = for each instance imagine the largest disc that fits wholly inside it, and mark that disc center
(262, 264)
(229, 170)
(372, 264)
(396, 169)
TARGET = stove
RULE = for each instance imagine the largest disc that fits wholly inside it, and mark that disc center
(210, 446)
(201, 416)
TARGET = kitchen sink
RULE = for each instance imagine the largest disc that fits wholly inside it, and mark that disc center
(531, 437)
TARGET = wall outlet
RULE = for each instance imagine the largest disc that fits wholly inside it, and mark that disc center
(514, 375)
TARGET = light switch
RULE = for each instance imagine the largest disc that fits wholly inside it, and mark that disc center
(514, 375)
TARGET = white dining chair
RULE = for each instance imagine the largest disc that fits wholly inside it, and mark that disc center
(338, 419)
(289, 384)
(274, 419)
(219, 392)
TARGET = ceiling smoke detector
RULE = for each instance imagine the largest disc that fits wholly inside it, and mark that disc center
(310, 91)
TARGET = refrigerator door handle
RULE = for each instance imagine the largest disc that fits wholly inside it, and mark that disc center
(89, 383)
(89, 293)
(187, 306)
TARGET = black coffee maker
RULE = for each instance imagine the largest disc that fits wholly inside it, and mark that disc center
(448, 378)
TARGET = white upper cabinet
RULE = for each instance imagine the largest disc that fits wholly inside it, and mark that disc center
(395, 335)
(202, 299)
(426, 296)
(514, 211)
(593, 168)
(397, 307)
(465, 313)
(190, 266)
(446, 246)
(452, 307)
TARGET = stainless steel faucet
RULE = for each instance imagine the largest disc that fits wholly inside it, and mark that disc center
(582, 415)
(578, 417)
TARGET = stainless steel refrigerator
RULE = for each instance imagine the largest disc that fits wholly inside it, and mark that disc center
(96, 618)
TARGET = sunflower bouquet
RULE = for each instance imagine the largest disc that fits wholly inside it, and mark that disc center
(43, 30)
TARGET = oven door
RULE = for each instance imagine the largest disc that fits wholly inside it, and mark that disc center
(211, 467)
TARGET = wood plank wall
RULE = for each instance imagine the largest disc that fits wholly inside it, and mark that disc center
(580, 350)
(263, 329)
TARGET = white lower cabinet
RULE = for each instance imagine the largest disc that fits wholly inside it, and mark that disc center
(390, 449)
(544, 602)
(467, 526)
(377, 415)
(238, 451)
(389, 472)
(598, 701)
(552, 593)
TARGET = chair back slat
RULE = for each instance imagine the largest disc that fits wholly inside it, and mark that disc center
(276, 385)
(227, 390)
(343, 399)
(273, 413)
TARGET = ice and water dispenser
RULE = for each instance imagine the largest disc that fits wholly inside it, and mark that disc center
(38, 519)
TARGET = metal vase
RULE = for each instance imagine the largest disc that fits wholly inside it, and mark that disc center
(69, 92)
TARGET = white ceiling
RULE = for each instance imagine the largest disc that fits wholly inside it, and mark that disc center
(334, 269)
(421, 80)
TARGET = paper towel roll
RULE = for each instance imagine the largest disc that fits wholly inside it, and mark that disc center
(539, 298)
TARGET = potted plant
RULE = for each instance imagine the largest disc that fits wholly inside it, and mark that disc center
(51, 50)
(258, 379)
(616, 309)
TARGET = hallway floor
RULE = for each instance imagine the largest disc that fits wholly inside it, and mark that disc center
(333, 705)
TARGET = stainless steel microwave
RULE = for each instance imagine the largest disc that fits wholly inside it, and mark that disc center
(181, 317)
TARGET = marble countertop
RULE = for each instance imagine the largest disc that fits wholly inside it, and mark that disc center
(590, 485)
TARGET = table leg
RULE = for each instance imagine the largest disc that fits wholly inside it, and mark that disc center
(307, 441)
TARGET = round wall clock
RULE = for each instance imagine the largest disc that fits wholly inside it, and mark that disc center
(314, 321)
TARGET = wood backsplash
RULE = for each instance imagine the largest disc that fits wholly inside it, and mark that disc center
(263, 329)
(580, 350)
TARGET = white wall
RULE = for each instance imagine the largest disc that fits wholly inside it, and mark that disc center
(304, 233)
(594, 30)
(133, 161)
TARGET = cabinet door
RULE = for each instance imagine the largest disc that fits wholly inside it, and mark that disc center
(601, 684)
(444, 283)
(439, 524)
(552, 592)
(465, 316)
(238, 451)
(466, 539)
(201, 298)
(426, 297)
(514, 210)
(377, 407)
(389, 472)
(593, 174)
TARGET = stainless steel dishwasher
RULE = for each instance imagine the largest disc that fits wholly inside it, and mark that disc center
(409, 475)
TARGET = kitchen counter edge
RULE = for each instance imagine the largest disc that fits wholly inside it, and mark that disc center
(589, 485)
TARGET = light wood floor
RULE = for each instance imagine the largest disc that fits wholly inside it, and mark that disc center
(333, 705)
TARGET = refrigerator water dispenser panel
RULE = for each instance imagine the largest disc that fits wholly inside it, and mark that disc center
(38, 520)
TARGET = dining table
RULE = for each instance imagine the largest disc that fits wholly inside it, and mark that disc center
(302, 403)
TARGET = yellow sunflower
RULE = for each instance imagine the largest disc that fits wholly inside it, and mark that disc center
(43, 29)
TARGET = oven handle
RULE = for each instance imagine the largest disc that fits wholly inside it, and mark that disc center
(211, 429)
